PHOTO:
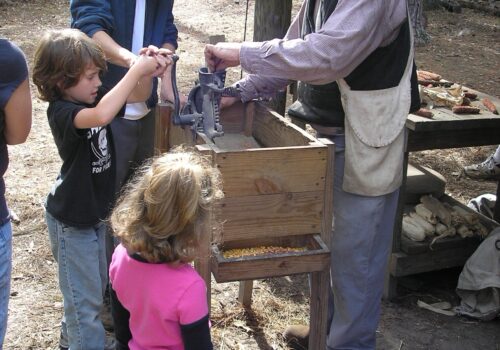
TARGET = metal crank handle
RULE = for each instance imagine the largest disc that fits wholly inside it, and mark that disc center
(177, 118)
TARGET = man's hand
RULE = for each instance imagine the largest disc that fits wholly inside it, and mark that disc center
(222, 55)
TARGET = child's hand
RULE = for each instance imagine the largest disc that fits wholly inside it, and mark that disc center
(163, 56)
(146, 65)
(163, 62)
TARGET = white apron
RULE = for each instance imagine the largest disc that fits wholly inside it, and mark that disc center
(374, 135)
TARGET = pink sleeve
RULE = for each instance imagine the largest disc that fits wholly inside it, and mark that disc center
(193, 304)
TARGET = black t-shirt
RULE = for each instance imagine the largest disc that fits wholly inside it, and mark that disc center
(83, 192)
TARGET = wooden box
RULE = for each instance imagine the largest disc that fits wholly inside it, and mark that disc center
(277, 182)
(469, 244)
(316, 257)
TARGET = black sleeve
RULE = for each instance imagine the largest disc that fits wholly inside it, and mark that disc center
(121, 321)
(196, 336)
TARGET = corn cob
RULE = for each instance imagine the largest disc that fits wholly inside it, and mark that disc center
(429, 229)
(412, 230)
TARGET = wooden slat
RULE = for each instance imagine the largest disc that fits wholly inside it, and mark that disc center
(268, 171)
(327, 223)
(245, 293)
(449, 243)
(233, 118)
(403, 264)
(271, 215)
(272, 130)
(318, 315)
(272, 267)
(163, 113)
(441, 139)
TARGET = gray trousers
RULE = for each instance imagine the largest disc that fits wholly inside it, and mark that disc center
(361, 243)
(134, 143)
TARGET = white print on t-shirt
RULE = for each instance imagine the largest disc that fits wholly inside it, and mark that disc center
(100, 156)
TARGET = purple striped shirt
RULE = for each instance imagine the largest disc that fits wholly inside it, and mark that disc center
(353, 31)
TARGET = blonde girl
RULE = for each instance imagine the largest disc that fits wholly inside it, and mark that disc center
(159, 300)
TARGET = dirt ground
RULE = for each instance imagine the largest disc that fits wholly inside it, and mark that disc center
(464, 48)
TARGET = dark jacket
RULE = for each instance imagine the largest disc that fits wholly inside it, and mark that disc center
(116, 18)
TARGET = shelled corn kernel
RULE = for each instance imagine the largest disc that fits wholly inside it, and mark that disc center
(262, 250)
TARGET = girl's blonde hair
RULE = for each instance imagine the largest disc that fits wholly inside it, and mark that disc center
(156, 214)
(61, 58)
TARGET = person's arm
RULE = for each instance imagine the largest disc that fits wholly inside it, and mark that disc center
(351, 33)
(143, 90)
(18, 115)
(113, 101)
(193, 317)
(114, 53)
(196, 336)
(121, 318)
(95, 18)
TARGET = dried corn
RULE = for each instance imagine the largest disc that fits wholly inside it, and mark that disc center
(437, 208)
(429, 229)
(412, 230)
(426, 214)
(262, 250)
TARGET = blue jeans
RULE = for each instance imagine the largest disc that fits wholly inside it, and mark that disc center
(5, 271)
(81, 257)
(361, 244)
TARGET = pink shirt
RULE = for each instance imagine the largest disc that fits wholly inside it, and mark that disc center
(353, 31)
(159, 297)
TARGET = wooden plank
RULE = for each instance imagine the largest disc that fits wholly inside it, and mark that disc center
(180, 135)
(449, 243)
(245, 293)
(441, 139)
(402, 264)
(235, 142)
(327, 222)
(163, 114)
(265, 266)
(249, 116)
(445, 119)
(202, 261)
(272, 170)
(318, 314)
(276, 267)
(309, 241)
(274, 215)
(272, 130)
(233, 118)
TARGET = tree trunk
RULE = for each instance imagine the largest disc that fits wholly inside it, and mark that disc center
(419, 22)
(272, 19)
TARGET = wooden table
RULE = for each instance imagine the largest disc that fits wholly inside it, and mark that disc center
(445, 130)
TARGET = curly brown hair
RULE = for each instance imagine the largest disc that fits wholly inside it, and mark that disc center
(60, 59)
(156, 213)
